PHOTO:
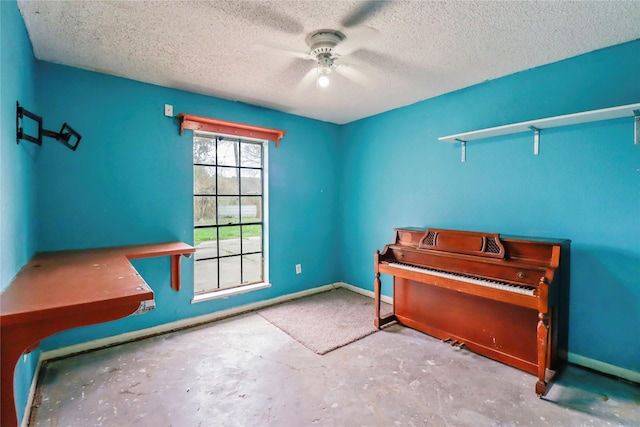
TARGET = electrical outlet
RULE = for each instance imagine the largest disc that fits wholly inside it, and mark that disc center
(298, 268)
(168, 110)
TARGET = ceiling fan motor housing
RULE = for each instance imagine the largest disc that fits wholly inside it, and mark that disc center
(323, 42)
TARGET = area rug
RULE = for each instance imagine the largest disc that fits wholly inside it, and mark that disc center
(325, 321)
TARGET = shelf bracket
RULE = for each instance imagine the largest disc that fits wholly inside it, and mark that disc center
(463, 150)
(536, 139)
(636, 127)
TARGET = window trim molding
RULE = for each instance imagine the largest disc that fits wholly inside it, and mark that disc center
(206, 124)
(226, 293)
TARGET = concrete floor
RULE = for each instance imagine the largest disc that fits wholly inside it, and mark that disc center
(245, 372)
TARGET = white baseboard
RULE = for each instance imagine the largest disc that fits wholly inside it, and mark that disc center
(370, 294)
(603, 367)
(32, 393)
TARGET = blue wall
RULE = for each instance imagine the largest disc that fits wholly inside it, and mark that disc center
(584, 185)
(130, 181)
(17, 166)
(17, 189)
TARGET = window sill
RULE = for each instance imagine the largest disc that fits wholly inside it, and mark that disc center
(229, 292)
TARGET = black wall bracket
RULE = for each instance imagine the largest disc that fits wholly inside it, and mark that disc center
(67, 135)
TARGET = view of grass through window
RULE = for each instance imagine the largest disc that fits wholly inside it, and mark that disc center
(204, 234)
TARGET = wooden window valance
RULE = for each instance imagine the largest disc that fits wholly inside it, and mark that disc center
(206, 124)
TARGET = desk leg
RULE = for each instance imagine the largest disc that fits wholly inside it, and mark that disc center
(19, 337)
(11, 352)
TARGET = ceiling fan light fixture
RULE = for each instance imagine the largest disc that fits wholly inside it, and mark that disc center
(323, 80)
(325, 65)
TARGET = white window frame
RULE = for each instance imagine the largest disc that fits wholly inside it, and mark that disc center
(225, 293)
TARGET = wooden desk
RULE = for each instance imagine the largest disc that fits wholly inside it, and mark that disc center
(56, 291)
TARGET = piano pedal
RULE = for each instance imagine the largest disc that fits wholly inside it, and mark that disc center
(446, 340)
(461, 345)
(454, 343)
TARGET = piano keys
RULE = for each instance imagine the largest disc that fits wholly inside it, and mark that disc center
(502, 297)
(495, 284)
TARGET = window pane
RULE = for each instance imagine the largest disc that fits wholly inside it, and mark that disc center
(251, 238)
(204, 150)
(252, 268)
(205, 276)
(229, 240)
(204, 179)
(228, 181)
(228, 152)
(251, 208)
(228, 210)
(229, 272)
(251, 155)
(205, 241)
(251, 181)
(204, 210)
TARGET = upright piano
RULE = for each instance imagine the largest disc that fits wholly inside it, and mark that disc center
(503, 297)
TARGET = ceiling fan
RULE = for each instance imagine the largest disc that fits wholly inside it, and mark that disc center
(328, 48)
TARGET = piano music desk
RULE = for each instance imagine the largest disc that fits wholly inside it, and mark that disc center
(56, 291)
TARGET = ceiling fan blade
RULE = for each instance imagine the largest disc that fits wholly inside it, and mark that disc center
(356, 76)
(355, 39)
(261, 15)
(277, 50)
(307, 81)
(363, 12)
(386, 63)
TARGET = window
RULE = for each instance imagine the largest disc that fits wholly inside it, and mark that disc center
(228, 212)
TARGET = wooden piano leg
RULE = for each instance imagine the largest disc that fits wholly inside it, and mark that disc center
(545, 375)
(376, 291)
(377, 286)
(543, 331)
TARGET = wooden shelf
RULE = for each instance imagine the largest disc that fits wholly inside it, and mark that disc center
(56, 291)
(189, 121)
(535, 126)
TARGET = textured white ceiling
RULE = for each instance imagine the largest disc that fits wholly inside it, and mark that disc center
(227, 48)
